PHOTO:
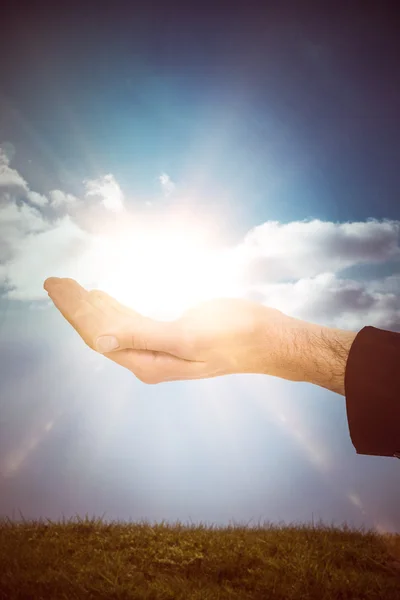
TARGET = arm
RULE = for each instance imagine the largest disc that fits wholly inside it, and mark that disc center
(363, 367)
(218, 337)
(229, 336)
(319, 354)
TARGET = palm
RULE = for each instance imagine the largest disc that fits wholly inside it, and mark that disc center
(214, 338)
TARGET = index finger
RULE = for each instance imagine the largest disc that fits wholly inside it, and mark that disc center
(71, 299)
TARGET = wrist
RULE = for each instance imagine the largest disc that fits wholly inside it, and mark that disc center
(320, 354)
(297, 350)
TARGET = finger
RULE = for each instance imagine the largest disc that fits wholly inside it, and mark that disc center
(90, 312)
(71, 299)
(105, 302)
(52, 283)
(67, 295)
(135, 331)
(156, 367)
(141, 334)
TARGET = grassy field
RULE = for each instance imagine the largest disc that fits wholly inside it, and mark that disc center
(92, 559)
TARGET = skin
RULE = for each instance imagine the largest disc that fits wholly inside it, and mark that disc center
(219, 337)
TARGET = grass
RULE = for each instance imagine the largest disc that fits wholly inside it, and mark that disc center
(88, 558)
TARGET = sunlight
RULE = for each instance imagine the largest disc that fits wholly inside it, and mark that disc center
(16, 459)
(160, 270)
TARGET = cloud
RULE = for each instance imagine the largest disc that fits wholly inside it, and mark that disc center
(17, 222)
(107, 189)
(59, 198)
(298, 267)
(11, 181)
(330, 300)
(167, 185)
(62, 250)
(37, 199)
(42, 235)
(14, 189)
(7, 149)
(274, 251)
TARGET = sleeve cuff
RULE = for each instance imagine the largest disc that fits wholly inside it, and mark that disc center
(372, 390)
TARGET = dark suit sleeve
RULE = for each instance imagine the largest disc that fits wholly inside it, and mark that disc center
(372, 390)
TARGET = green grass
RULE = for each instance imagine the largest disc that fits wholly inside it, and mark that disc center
(92, 559)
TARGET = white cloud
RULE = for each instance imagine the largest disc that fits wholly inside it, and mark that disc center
(59, 198)
(295, 267)
(38, 235)
(275, 251)
(7, 149)
(59, 251)
(167, 184)
(10, 179)
(108, 190)
(330, 300)
(36, 199)
(17, 222)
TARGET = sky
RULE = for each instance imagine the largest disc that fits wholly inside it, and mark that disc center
(255, 150)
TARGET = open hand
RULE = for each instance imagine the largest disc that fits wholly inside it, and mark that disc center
(218, 337)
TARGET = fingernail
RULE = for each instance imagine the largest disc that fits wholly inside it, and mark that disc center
(107, 343)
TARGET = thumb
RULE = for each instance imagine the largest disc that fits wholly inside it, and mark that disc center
(142, 334)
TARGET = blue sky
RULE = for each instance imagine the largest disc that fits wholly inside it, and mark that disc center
(274, 128)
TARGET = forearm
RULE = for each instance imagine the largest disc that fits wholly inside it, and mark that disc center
(315, 354)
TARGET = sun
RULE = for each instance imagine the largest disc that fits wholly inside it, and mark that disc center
(161, 269)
